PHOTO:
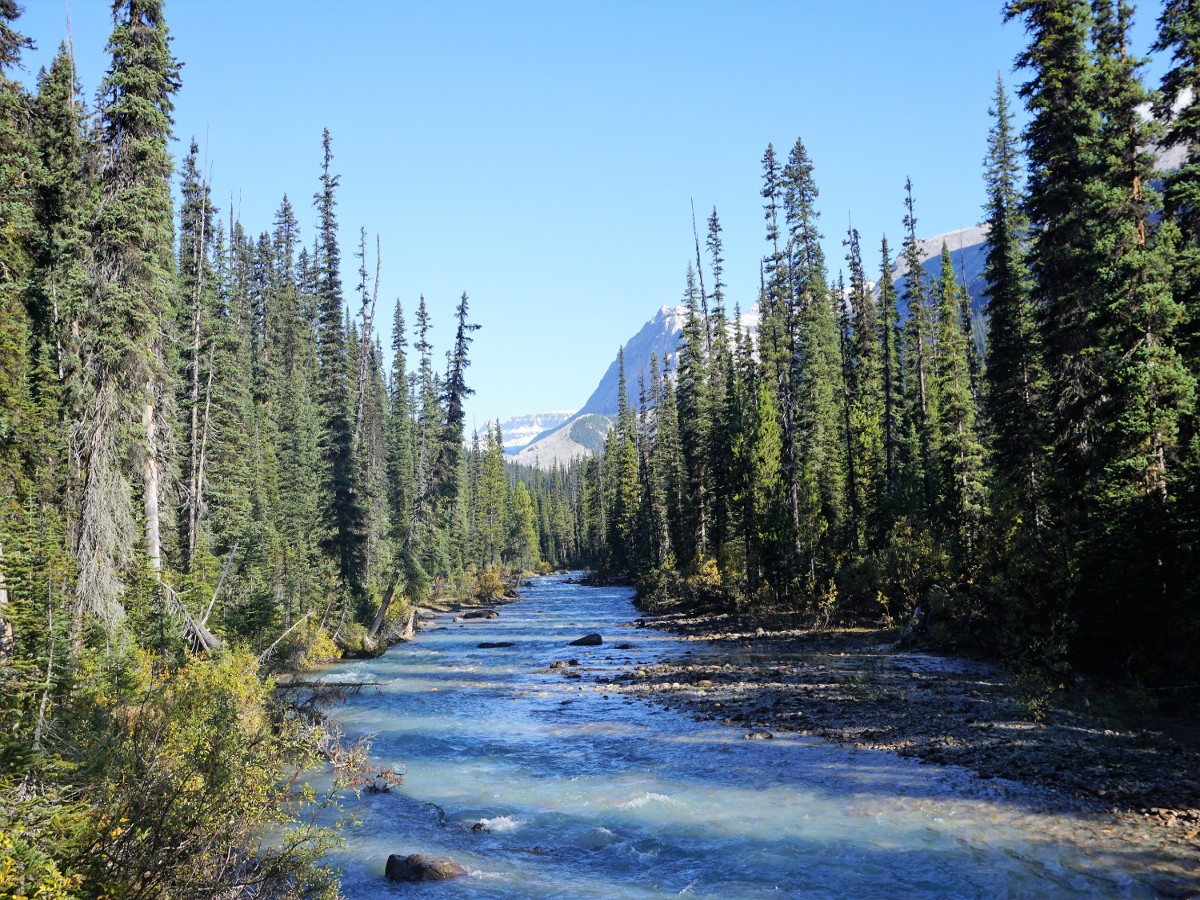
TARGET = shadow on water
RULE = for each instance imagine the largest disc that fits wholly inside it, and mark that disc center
(587, 795)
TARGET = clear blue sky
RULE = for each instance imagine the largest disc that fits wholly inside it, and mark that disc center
(542, 156)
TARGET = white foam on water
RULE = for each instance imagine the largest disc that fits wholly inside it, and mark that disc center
(648, 797)
(502, 824)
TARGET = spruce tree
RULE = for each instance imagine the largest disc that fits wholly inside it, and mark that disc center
(867, 413)
(61, 247)
(1061, 145)
(455, 392)
(344, 508)
(401, 475)
(695, 426)
(891, 359)
(1148, 387)
(959, 452)
(920, 350)
(1014, 375)
(131, 314)
(18, 179)
(818, 499)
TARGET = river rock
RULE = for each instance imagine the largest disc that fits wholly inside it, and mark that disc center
(558, 664)
(588, 640)
(481, 614)
(416, 867)
(761, 735)
(494, 645)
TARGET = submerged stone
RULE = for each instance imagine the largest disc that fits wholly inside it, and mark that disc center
(588, 640)
(416, 867)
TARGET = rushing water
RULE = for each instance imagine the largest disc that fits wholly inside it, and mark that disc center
(588, 794)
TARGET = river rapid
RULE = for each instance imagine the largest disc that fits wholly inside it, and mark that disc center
(585, 793)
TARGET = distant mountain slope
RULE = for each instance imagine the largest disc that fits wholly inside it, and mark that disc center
(659, 336)
(582, 436)
(584, 432)
(518, 431)
(968, 253)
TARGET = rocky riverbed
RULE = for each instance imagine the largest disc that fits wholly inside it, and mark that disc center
(1096, 752)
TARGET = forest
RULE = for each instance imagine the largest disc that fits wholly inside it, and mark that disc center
(213, 473)
(1025, 484)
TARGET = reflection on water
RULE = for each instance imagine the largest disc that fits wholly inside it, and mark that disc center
(583, 794)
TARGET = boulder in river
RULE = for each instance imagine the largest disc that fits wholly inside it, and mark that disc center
(588, 640)
(760, 735)
(558, 664)
(480, 614)
(416, 867)
(494, 645)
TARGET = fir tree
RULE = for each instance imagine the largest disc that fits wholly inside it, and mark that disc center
(891, 358)
(959, 455)
(1014, 375)
(1061, 145)
(344, 508)
(60, 281)
(867, 412)
(130, 314)
(818, 493)
(695, 426)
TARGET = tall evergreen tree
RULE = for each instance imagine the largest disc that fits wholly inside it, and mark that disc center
(1014, 374)
(695, 426)
(1147, 385)
(344, 508)
(1061, 146)
(920, 352)
(959, 452)
(131, 312)
(867, 408)
(818, 499)
(891, 359)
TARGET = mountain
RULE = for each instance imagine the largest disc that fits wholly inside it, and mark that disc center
(583, 433)
(520, 430)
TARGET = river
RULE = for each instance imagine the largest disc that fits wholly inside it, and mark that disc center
(584, 793)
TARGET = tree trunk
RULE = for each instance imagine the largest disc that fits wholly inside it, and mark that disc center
(6, 632)
(150, 480)
(383, 607)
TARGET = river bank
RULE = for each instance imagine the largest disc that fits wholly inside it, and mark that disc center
(1096, 751)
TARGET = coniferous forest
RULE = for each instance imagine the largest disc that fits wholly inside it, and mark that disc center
(1028, 487)
(214, 472)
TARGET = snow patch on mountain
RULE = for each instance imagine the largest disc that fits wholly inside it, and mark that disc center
(582, 436)
(517, 431)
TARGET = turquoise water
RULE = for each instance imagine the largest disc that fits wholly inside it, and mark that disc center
(587, 794)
